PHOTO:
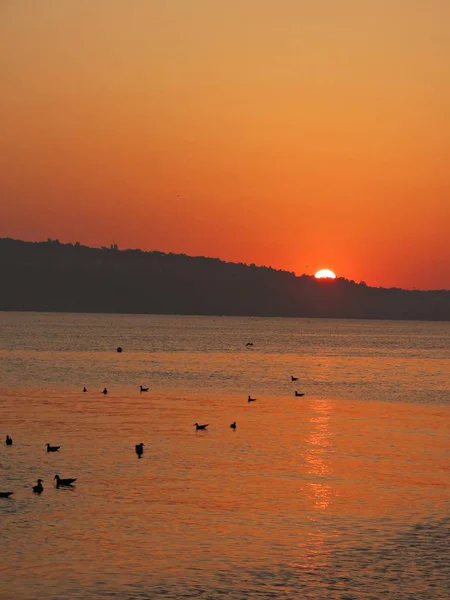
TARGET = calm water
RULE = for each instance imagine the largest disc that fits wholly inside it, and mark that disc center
(342, 494)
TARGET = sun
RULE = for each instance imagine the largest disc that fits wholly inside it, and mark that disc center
(325, 274)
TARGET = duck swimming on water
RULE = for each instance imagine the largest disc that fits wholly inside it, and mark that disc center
(8, 440)
(52, 448)
(298, 394)
(250, 399)
(63, 482)
(200, 427)
(233, 425)
(294, 378)
(140, 449)
(143, 389)
(105, 391)
(38, 488)
(6, 494)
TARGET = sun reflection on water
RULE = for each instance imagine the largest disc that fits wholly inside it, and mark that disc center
(318, 467)
(318, 453)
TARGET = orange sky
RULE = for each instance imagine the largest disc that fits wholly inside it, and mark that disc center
(289, 133)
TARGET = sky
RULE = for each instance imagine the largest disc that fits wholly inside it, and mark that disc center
(296, 134)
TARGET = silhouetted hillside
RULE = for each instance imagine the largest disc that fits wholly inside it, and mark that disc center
(50, 276)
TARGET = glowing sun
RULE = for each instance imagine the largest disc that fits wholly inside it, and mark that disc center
(325, 274)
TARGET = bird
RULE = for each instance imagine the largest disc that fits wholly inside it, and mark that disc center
(6, 494)
(250, 399)
(197, 426)
(143, 389)
(249, 344)
(8, 440)
(84, 389)
(105, 391)
(139, 449)
(38, 488)
(294, 378)
(63, 482)
(233, 425)
(52, 448)
(298, 394)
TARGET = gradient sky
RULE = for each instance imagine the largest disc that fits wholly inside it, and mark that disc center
(299, 134)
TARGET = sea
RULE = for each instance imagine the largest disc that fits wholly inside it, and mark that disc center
(341, 494)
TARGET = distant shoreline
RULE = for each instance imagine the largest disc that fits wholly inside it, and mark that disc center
(212, 316)
(71, 278)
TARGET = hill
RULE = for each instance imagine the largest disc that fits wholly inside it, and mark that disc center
(51, 276)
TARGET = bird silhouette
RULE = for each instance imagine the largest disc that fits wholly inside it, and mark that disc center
(143, 389)
(298, 394)
(6, 494)
(38, 488)
(84, 389)
(8, 440)
(233, 425)
(250, 399)
(52, 448)
(105, 391)
(294, 378)
(63, 482)
(200, 427)
(139, 448)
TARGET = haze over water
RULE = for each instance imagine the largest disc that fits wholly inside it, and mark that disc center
(341, 494)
